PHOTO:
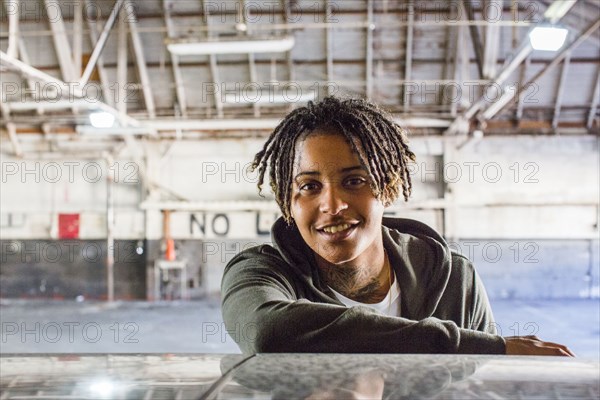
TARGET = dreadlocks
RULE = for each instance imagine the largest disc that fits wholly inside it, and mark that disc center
(380, 143)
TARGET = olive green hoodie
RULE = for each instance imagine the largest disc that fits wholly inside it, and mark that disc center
(273, 300)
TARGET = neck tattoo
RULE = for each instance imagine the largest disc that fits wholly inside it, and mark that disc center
(359, 284)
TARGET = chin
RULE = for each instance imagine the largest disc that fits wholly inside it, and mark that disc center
(337, 256)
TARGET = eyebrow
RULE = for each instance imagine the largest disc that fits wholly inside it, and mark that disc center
(317, 173)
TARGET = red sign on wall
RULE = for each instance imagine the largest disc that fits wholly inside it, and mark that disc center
(68, 226)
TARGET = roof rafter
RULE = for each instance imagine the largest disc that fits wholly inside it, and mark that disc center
(177, 75)
(328, 45)
(461, 122)
(214, 69)
(560, 89)
(66, 90)
(408, 55)
(369, 50)
(61, 43)
(121, 102)
(582, 36)
(99, 46)
(594, 105)
(99, 64)
(140, 60)
(251, 63)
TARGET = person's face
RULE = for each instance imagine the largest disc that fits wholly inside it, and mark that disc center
(332, 203)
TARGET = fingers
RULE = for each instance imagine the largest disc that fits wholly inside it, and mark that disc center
(532, 345)
(564, 349)
(560, 349)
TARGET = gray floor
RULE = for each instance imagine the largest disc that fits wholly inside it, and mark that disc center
(196, 327)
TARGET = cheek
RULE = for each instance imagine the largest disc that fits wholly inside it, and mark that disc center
(300, 210)
(374, 211)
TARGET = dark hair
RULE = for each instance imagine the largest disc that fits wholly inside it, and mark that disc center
(380, 143)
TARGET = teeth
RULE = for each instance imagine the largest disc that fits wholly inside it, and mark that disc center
(336, 228)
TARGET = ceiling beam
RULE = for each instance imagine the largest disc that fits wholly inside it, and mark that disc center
(77, 37)
(287, 14)
(492, 38)
(61, 42)
(140, 60)
(104, 82)
(251, 64)
(369, 49)
(475, 37)
(214, 69)
(267, 123)
(594, 105)
(66, 90)
(121, 102)
(555, 61)
(12, 10)
(328, 45)
(179, 84)
(408, 55)
(24, 56)
(100, 43)
(456, 54)
(34, 73)
(522, 75)
(553, 14)
(560, 88)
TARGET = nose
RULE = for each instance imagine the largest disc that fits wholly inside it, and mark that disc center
(331, 201)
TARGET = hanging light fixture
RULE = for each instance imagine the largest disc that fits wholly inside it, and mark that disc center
(184, 47)
(548, 38)
(102, 119)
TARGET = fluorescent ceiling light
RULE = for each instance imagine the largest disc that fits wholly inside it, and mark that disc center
(232, 46)
(102, 119)
(116, 130)
(547, 38)
(268, 97)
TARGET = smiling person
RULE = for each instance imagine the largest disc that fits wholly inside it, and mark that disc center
(341, 278)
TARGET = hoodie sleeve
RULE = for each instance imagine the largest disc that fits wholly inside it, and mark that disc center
(263, 315)
(482, 318)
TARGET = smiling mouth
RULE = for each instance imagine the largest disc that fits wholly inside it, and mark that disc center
(340, 228)
(336, 228)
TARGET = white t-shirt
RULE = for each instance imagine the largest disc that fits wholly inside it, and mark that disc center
(390, 305)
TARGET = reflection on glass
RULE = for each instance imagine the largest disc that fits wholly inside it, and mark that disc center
(102, 389)
(348, 376)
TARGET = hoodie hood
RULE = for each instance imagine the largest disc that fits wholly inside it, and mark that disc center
(420, 257)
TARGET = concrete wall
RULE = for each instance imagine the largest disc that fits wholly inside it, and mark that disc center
(495, 191)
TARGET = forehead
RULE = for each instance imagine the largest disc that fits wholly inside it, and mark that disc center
(324, 150)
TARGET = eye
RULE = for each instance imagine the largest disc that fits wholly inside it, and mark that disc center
(308, 186)
(355, 181)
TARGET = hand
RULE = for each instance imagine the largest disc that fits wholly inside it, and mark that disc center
(532, 346)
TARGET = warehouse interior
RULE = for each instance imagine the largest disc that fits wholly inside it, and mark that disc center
(128, 128)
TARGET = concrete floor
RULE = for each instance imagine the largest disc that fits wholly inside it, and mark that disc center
(196, 327)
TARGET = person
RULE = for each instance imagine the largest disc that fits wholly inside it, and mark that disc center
(340, 277)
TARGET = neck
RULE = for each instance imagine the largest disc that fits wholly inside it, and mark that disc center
(363, 283)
